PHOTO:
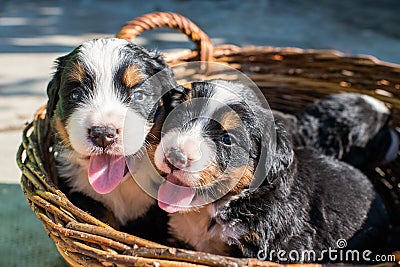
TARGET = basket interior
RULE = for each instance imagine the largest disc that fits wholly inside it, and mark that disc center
(289, 78)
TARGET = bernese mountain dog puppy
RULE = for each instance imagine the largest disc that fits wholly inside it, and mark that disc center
(351, 127)
(107, 101)
(235, 185)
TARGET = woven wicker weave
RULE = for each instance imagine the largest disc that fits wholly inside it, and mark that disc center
(290, 78)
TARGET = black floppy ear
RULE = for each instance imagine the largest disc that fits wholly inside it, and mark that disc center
(53, 88)
(157, 62)
(174, 97)
(156, 57)
(178, 93)
(173, 94)
(274, 150)
(283, 156)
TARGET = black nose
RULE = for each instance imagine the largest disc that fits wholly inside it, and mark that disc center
(103, 136)
(177, 158)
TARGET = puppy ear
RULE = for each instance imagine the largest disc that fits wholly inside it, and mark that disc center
(275, 153)
(283, 156)
(156, 56)
(157, 61)
(174, 97)
(53, 88)
(178, 93)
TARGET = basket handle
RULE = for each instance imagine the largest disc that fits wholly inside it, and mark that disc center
(171, 20)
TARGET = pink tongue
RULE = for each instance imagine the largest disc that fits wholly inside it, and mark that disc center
(106, 172)
(173, 197)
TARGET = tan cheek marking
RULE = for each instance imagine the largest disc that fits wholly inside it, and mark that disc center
(132, 76)
(246, 174)
(61, 131)
(230, 121)
(240, 177)
(77, 72)
(209, 175)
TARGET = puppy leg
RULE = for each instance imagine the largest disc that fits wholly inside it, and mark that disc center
(253, 222)
(94, 208)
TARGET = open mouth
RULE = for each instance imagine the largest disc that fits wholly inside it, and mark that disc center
(174, 195)
(106, 172)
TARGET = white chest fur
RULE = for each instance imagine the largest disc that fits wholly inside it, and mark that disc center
(127, 201)
(194, 229)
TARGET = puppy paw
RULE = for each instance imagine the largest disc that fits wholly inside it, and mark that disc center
(235, 219)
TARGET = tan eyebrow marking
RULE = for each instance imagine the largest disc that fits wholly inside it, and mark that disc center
(76, 72)
(132, 76)
(230, 120)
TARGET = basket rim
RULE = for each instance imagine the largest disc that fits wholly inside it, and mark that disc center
(204, 46)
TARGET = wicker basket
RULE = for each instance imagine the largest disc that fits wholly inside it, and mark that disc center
(290, 78)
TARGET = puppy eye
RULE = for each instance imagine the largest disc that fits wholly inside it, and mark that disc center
(227, 139)
(138, 95)
(76, 94)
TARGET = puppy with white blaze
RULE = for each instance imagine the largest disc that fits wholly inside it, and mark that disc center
(351, 127)
(107, 100)
(215, 145)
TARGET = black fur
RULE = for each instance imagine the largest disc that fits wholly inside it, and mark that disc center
(347, 127)
(307, 209)
(308, 201)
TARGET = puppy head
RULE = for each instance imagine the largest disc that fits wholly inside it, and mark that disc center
(352, 127)
(213, 144)
(103, 100)
(375, 142)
